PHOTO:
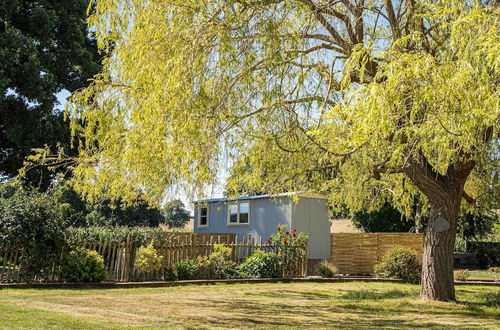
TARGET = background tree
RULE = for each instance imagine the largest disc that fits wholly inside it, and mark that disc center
(477, 226)
(399, 100)
(77, 212)
(176, 216)
(80, 213)
(44, 49)
(385, 220)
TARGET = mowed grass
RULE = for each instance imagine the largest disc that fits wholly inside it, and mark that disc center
(304, 305)
(480, 275)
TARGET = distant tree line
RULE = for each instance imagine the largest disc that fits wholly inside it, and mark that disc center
(79, 213)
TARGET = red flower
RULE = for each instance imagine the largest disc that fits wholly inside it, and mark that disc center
(46, 265)
(30, 267)
(268, 240)
(293, 231)
(284, 241)
(279, 228)
(287, 233)
(294, 235)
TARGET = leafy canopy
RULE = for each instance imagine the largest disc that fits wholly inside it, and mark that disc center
(176, 216)
(350, 98)
(44, 49)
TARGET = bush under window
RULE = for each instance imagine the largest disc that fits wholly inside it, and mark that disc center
(262, 265)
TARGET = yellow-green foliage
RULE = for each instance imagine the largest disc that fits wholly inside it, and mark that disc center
(148, 260)
(217, 265)
(312, 104)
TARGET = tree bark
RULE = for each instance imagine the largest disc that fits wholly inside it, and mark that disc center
(439, 240)
(444, 193)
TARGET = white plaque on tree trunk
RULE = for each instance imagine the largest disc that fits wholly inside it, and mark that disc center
(441, 224)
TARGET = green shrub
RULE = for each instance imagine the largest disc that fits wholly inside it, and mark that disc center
(460, 245)
(399, 263)
(119, 234)
(35, 223)
(218, 265)
(262, 265)
(169, 273)
(462, 275)
(496, 273)
(326, 269)
(186, 269)
(292, 249)
(147, 259)
(83, 265)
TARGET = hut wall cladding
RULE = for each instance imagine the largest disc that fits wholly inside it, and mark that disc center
(357, 253)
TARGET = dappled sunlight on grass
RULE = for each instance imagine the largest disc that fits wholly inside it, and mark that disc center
(307, 305)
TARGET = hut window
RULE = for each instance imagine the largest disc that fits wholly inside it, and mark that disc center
(203, 216)
(239, 213)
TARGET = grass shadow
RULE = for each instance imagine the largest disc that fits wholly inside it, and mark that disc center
(365, 294)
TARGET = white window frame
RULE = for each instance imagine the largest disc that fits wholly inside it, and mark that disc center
(237, 223)
(207, 206)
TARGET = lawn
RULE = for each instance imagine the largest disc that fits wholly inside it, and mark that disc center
(318, 305)
(480, 275)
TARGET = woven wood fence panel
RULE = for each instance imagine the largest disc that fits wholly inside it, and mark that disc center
(355, 253)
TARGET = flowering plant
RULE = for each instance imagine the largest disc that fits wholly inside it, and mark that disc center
(291, 246)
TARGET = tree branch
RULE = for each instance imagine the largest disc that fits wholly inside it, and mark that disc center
(317, 13)
(469, 199)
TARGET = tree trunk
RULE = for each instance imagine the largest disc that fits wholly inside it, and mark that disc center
(444, 193)
(439, 241)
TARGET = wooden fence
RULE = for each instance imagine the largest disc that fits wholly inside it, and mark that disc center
(119, 257)
(355, 253)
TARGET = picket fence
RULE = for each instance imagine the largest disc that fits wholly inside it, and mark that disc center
(119, 257)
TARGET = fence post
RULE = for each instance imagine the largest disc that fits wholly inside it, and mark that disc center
(249, 246)
(194, 241)
(127, 260)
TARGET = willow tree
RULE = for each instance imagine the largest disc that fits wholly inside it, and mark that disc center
(368, 101)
